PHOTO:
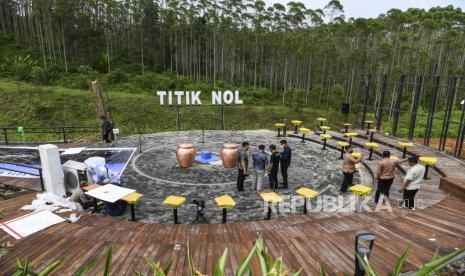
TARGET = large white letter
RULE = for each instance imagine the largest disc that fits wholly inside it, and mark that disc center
(228, 97)
(237, 100)
(216, 97)
(195, 98)
(179, 94)
(161, 94)
(170, 98)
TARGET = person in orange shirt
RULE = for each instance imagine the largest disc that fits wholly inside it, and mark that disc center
(385, 174)
(348, 168)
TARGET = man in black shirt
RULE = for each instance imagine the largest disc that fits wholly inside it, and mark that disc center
(285, 157)
(242, 165)
(273, 167)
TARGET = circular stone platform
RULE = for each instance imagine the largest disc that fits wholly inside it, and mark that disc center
(156, 174)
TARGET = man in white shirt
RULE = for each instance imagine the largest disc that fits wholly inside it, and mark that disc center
(412, 182)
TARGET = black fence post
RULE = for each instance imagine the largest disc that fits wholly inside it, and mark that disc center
(448, 113)
(400, 91)
(432, 110)
(381, 103)
(365, 100)
(63, 130)
(416, 99)
(5, 134)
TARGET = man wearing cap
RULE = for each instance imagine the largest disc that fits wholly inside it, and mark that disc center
(412, 181)
(273, 167)
(242, 164)
(285, 158)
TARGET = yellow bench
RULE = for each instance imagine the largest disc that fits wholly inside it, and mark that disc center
(371, 146)
(304, 131)
(279, 126)
(321, 120)
(404, 146)
(428, 161)
(296, 123)
(306, 193)
(360, 191)
(132, 199)
(175, 202)
(343, 145)
(325, 137)
(325, 128)
(225, 202)
(270, 197)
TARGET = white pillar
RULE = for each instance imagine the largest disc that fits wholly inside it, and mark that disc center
(52, 171)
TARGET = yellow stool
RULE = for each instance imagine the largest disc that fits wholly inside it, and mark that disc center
(296, 123)
(304, 131)
(393, 157)
(356, 155)
(306, 193)
(351, 135)
(132, 199)
(270, 197)
(321, 120)
(428, 161)
(371, 146)
(405, 145)
(346, 127)
(175, 202)
(343, 145)
(368, 122)
(279, 126)
(225, 202)
(360, 191)
(325, 137)
(325, 128)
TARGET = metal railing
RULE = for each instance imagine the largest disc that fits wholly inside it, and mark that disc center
(62, 131)
(39, 169)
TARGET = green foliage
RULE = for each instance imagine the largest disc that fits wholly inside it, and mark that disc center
(336, 93)
(116, 76)
(23, 268)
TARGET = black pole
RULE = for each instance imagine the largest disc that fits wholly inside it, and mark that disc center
(432, 110)
(305, 206)
(416, 100)
(404, 152)
(342, 153)
(268, 215)
(64, 135)
(175, 213)
(371, 154)
(303, 137)
(295, 130)
(426, 172)
(347, 129)
(371, 136)
(6, 136)
(400, 90)
(368, 128)
(140, 140)
(448, 113)
(133, 213)
(279, 132)
(224, 214)
(381, 102)
(324, 144)
(350, 141)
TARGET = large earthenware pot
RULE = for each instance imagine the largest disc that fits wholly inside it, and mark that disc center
(185, 153)
(229, 155)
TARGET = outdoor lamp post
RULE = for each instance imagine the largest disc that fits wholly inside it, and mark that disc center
(363, 246)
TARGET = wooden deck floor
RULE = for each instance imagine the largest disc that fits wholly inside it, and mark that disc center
(304, 241)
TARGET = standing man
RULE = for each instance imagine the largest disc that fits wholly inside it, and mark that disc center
(285, 157)
(242, 164)
(348, 168)
(385, 174)
(107, 130)
(273, 167)
(412, 182)
(260, 163)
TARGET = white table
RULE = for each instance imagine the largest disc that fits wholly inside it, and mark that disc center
(110, 193)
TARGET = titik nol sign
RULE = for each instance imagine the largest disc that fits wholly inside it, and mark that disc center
(193, 97)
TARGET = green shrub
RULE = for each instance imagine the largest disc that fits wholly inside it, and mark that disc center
(116, 76)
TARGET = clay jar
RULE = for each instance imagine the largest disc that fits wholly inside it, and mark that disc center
(228, 155)
(185, 153)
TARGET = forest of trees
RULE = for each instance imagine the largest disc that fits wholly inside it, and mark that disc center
(239, 42)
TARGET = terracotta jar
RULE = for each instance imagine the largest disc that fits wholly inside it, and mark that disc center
(229, 155)
(185, 153)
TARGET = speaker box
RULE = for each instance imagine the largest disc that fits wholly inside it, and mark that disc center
(345, 108)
